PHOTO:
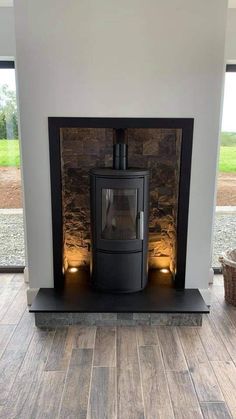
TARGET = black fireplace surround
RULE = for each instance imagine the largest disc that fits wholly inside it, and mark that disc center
(106, 180)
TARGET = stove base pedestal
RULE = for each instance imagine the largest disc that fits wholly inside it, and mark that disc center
(119, 272)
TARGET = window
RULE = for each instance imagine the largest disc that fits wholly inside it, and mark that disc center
(11, 212)
(225, 219)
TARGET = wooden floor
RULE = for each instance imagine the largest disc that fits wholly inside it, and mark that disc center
(106, 373)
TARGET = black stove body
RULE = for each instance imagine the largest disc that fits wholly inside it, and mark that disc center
(119, 224)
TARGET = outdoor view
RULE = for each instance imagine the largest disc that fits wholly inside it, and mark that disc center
(225, 220)
(11, 214)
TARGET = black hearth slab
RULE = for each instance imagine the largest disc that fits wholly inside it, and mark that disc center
(81, 298)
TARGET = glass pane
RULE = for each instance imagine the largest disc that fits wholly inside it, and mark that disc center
(11, 212)
(119, 213)
(224, 236)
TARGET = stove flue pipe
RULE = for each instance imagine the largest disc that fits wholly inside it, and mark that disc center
(120, 151)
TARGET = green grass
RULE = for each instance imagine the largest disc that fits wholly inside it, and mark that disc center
(227, 159)
(228, 152)
(228, 139)
(9, 153)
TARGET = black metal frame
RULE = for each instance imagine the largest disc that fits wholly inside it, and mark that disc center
(230, 68)
(10, 269)
(56, 123)
(7, 64)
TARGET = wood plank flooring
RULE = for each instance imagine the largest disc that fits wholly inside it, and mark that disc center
(115, 373)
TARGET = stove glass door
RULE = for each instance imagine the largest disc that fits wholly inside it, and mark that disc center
(119, 214)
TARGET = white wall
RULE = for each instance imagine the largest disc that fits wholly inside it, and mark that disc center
(141, 58)
(7, 32)
(230, 49)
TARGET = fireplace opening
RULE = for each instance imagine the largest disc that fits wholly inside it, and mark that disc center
(105, 151)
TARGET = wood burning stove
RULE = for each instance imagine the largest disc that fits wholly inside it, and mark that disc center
(119, 223)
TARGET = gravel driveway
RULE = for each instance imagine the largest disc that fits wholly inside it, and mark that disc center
(224, 235)
(11, 238)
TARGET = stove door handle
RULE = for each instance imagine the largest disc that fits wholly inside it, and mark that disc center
(140, 225)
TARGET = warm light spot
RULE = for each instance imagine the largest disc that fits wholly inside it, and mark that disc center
(164, 270)
(73, 270)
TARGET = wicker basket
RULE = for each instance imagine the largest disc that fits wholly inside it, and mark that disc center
(228, 262)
